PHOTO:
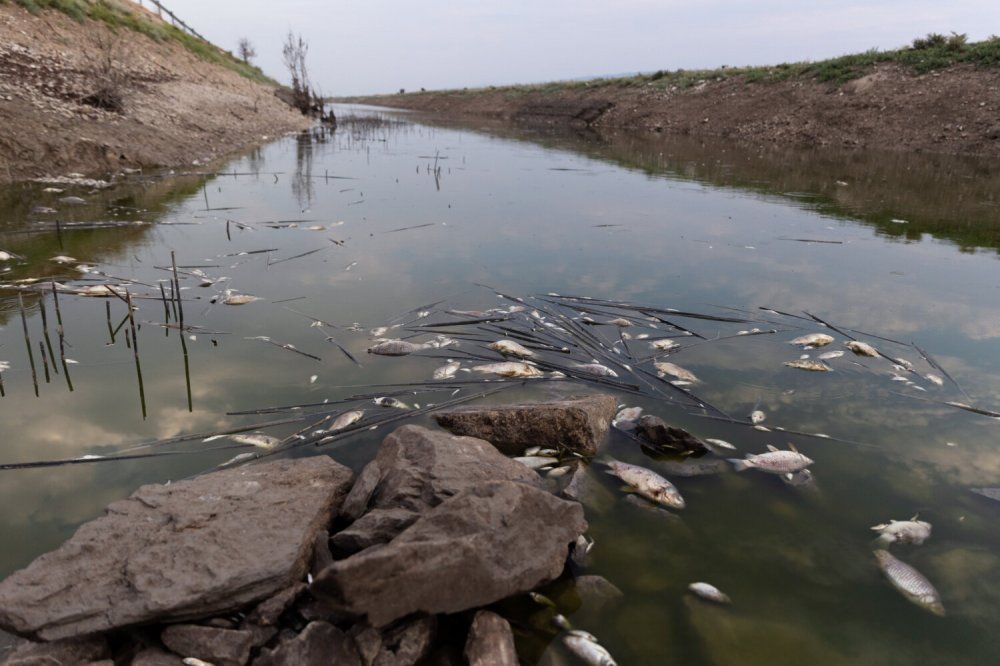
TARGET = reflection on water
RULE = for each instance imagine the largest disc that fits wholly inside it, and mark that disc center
(334, 234)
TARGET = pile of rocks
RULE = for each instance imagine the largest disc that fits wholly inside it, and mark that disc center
(299, 562)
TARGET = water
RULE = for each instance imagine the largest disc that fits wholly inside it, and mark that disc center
(908, 252)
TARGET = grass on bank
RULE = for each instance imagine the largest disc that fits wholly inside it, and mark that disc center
(926, 54)
(117, 14)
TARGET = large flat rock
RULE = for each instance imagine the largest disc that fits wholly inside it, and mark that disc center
(574, 424)
(489, 541)
(174, 552)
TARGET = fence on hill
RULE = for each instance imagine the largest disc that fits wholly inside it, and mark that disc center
(174, 20)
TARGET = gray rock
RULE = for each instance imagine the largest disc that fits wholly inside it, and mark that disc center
(321, 552)
(156, 657)
(70, 651)
(660, 435)
(266, 613)
(587, 490)
(575, 424)
(406, 643)
(369, 642)
(596, 592)
(175, 552)
(222, 647)
(414, 470)
(485, 543)
(490, 642)
(319, 644)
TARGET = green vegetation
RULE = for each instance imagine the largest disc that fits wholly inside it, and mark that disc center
(118, 15)
(926, 54)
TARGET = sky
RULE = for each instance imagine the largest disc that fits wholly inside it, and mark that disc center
(360, 47)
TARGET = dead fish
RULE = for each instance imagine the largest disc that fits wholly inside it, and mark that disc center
(447, 370)
(910, 582)
(441, 341)
(903, 531)
(4, 365)
(346, 419)
(390, 402)
(257, 439)
(231, 298)
(72, 200)
(664, 345)
(379, 331)
(536, 462)
(508, 369)
(861, 348)
(510, 347)
(757, 416)
(647, 483)
(620, 321)
(675, 370)
(7, 256)
(826, 356)
(394, 348)
(596, 369)
(626, 418)
(710, 592)
(99, 290)
(904, 364)
(813, 340)
(810, 365)
(558, 472)
(775, 461)
(237, 459)
(43, 210)
(195, 661)
(586, 647)
(719, 446)
(934, 379)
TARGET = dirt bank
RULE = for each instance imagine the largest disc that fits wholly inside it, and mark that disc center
(177, 107)
(953, 110)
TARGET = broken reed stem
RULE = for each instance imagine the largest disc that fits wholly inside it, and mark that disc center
(135, 351)
(187, 370)
(166, 309)
(111, 330)
(45, 334)
(177, 286)
(3, 391)
(45, 362)
(27, 343)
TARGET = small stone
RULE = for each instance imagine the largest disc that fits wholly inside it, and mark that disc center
(222, 647)
(319, 644)
(490, 641)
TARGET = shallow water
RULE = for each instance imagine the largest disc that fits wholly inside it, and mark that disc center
(902, 247)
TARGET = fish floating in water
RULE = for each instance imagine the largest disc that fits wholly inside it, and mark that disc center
(934, 379)
(229, 297)
(910, 582)
(674, 370)
(346, 419)
(586, 647)
(596, 369)
(647, 483)
(536, 462)
(395, 348)
(710, 592)
(664, 344)
(861, 348)
(808, 364)
(717, 446)
(508, 369)
(510, 348)
(826, 356)
(257, 439)
(621, 321)
(757, 416)
(626, 418)
(775, 461)
(391, 402)
(447, 370)
(812, 340)
(903, 531)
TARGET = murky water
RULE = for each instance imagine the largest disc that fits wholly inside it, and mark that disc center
(368, 224)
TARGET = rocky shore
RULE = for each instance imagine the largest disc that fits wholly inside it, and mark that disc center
(303, 562)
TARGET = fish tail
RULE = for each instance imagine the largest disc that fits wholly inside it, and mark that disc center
(739, 465)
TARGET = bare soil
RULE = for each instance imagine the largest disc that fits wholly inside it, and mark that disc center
(954, 110)
(177, 108)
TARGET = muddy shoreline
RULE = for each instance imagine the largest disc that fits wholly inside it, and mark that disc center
(176, 107)
(950, 111)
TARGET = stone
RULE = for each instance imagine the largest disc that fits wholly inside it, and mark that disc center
(373, 528)
(266, 613)
(368, 640)
(596, 592)
(407, 642)
(660, 435)
(169, 553)
(322, 557)
(319, 644)
(486, 543)
(223, 647)
(576, 424)
(70, 651)
(584, 488)
(490, 641)
(156, 657)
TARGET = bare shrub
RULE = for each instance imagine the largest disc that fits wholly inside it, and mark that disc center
(246, 50)
(293, 54)
(111, 79)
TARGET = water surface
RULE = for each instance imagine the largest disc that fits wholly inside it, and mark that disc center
(402, 215)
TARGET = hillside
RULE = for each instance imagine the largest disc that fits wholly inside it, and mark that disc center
(944, 98)
(112, 86)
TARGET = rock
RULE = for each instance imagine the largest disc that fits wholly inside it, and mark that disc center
(406, 643)
(416, 469)
(321, 552)
(266, 614)
(156, 657)
(655, 430)
(588, 491)
(490, 642)
(369, 642)
(222, 647)
(319, 644)
(575, 424)
(596, 592)
(486, 543)
(71, 651)
(174, 552)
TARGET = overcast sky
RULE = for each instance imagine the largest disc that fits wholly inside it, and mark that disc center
(375, 46)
